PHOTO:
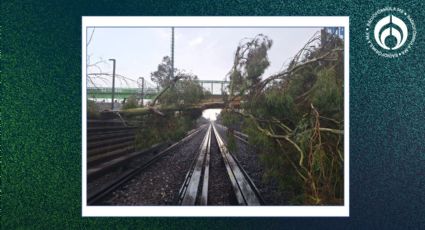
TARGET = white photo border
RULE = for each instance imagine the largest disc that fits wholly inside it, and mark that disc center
(215, 211)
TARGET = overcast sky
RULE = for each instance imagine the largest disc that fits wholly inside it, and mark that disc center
(206, 52)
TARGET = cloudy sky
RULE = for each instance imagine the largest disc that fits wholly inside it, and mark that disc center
(206, 52)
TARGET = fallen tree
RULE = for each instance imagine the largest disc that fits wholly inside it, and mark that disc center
(295, 117)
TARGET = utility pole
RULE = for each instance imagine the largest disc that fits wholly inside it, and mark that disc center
(113, 82)
(143, 88)
(172, 53)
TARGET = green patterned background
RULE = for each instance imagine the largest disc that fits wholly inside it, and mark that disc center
(41, 116)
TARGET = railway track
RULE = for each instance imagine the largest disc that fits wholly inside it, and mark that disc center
(109, 144)
(238, 135)
(196, 189)
(96, 197)
(215, 176)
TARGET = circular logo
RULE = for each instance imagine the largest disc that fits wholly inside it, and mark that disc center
(391, 32)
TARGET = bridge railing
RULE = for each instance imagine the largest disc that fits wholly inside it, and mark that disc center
(108, 90)
(150, 92)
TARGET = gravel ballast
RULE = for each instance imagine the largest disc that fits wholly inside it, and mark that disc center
(220, 191)
(250, 161)
(160, 183)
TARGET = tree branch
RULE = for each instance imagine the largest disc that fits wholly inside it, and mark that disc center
(165, 89)
(91, 36)
(263, 83)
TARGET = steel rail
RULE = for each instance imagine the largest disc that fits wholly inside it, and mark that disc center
(194, 190)
(243, 187)
(191, 193)
(110, 129)
(110, 147)
(102, 137)
(129, 174)
(108, 142)
(238, 135)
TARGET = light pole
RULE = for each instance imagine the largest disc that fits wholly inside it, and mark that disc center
(172, 53)
(113, 82)
(142, 85)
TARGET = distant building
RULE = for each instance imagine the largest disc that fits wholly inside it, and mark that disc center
(329, 32)
(338, 31)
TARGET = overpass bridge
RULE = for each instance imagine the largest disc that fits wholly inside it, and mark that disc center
(215, 87)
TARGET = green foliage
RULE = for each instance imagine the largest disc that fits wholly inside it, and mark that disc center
(257, 60)
(162, 76)
(183, 90)
(231, 141)
(131, 103)
(178, 93)
(327, 95)
(157, 129)
(296, 121)
(186, 91)
(230, 120)
(250, 62)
